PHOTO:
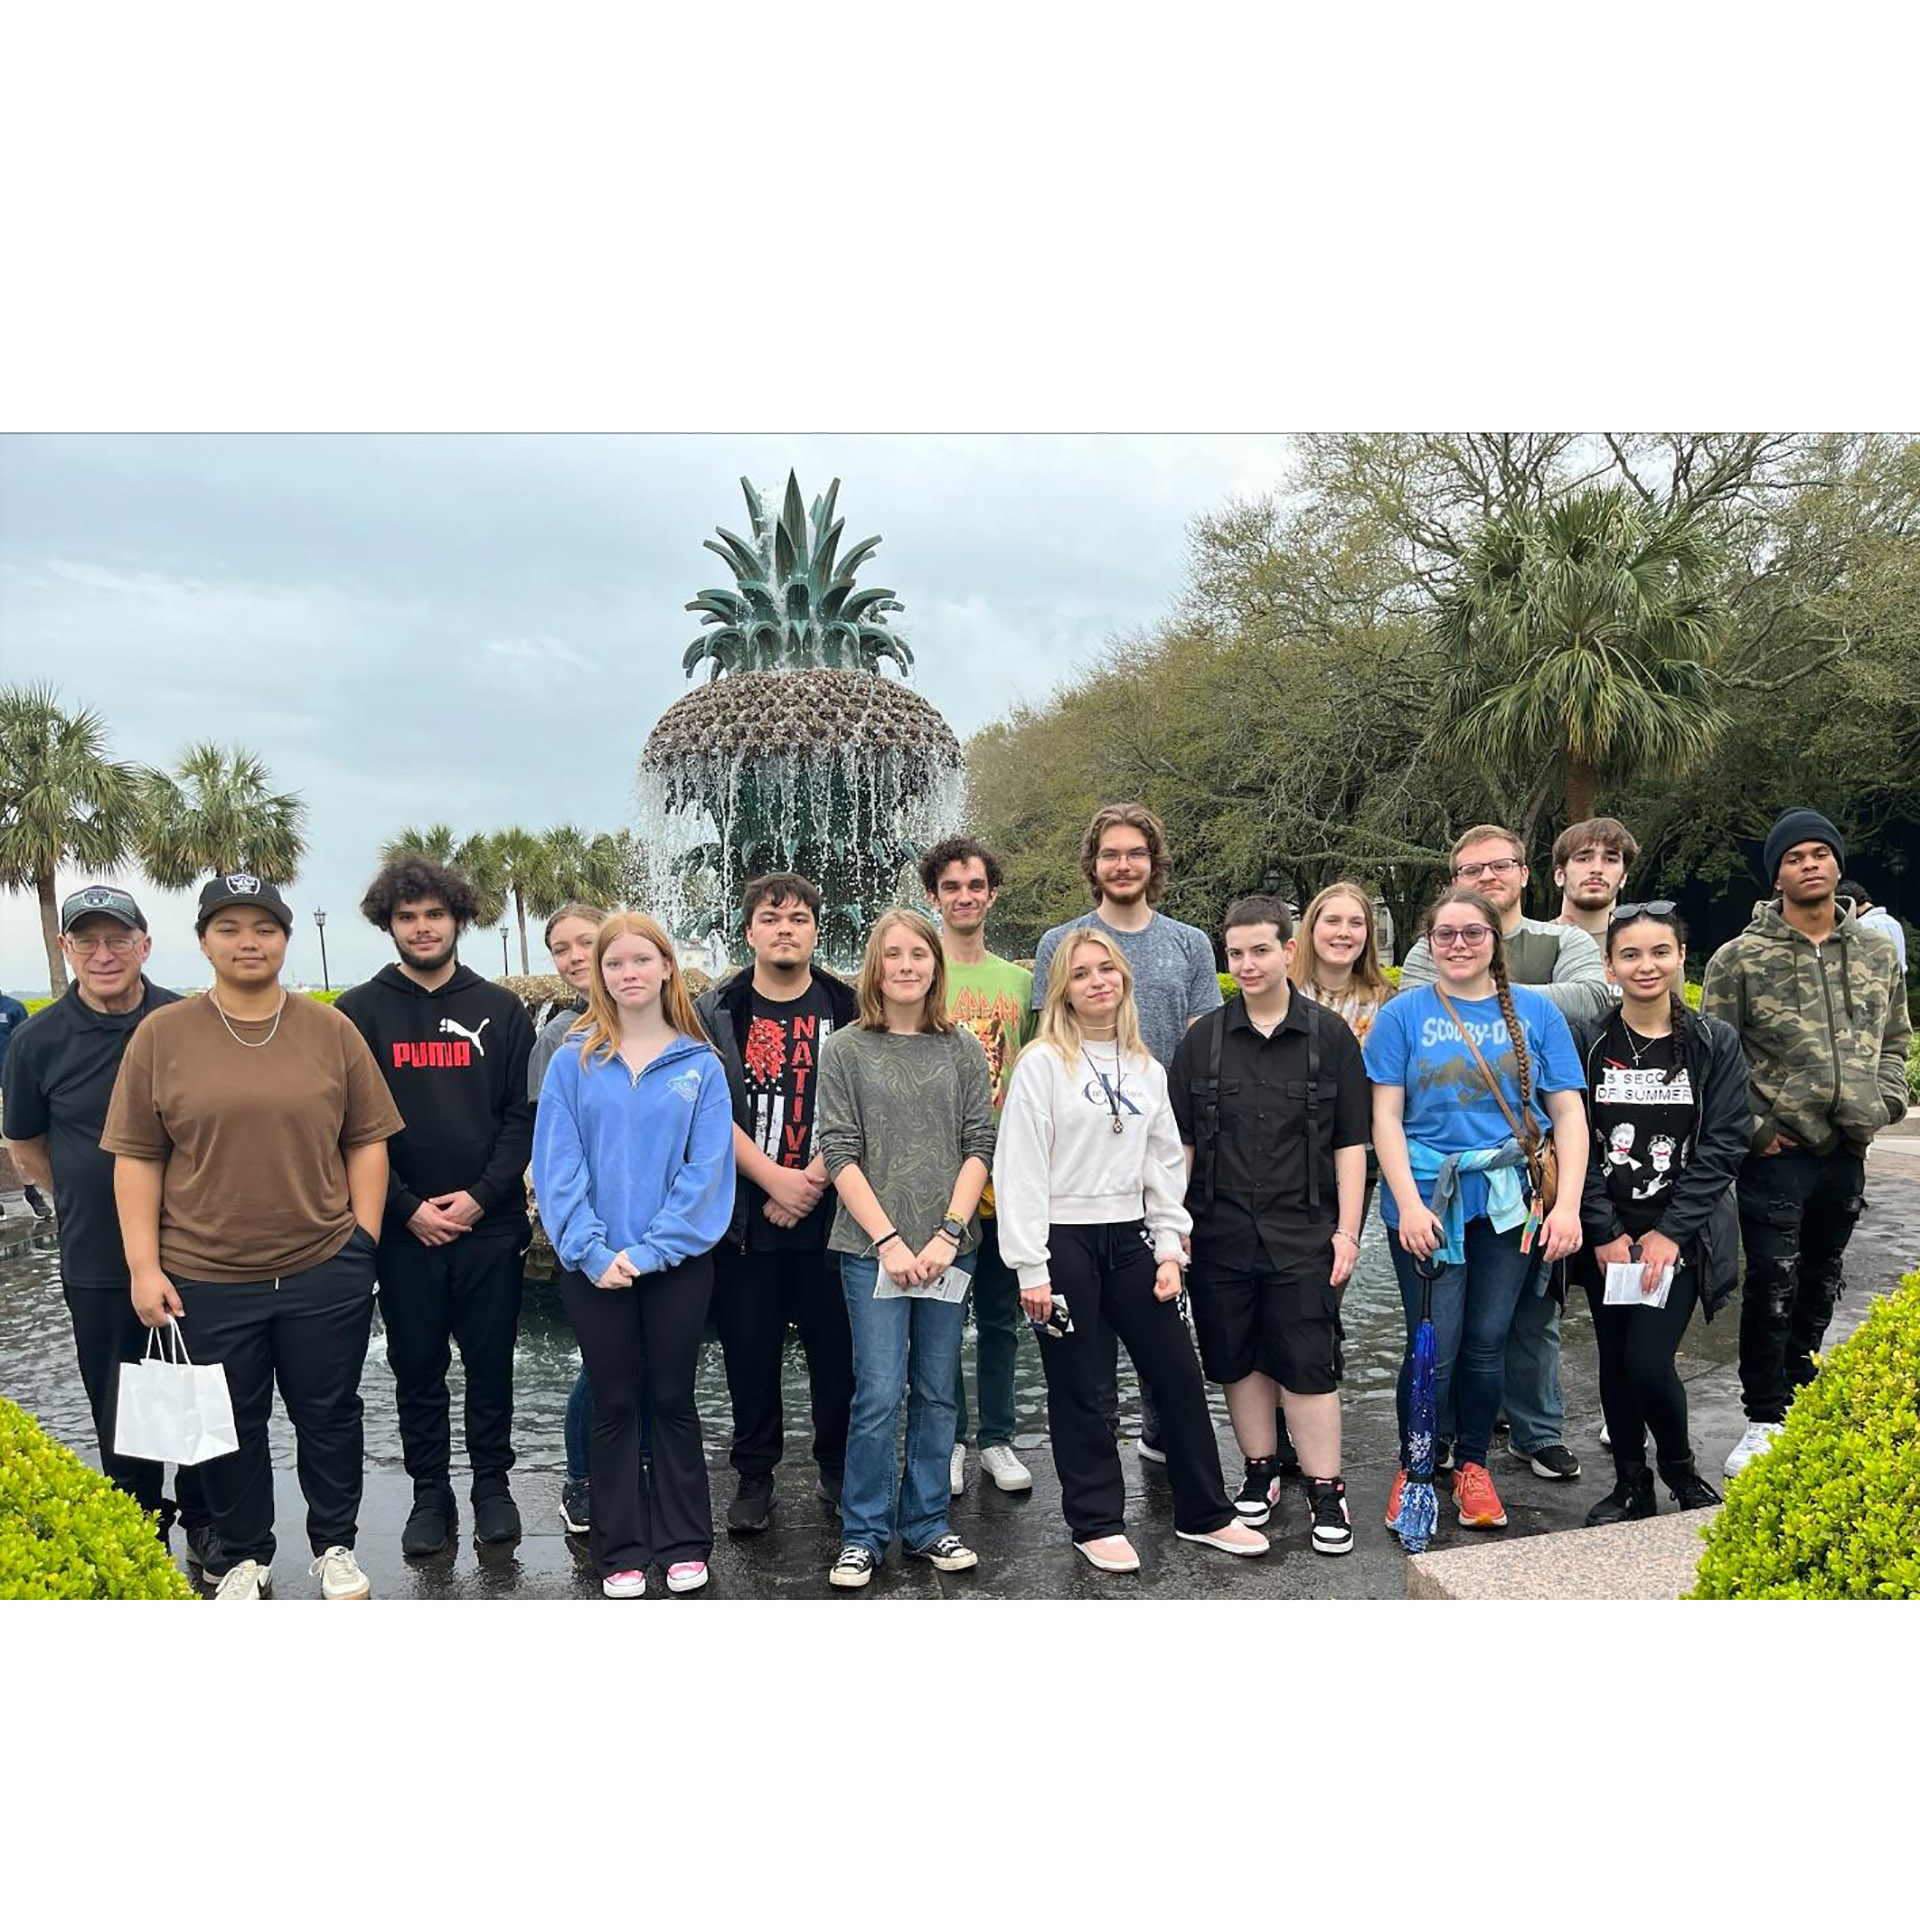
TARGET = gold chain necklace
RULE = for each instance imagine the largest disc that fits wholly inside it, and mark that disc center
(228, 1024)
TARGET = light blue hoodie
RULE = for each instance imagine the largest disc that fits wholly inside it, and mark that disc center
(635, 1164)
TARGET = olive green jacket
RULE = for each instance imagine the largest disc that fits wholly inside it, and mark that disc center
(1824, 1028)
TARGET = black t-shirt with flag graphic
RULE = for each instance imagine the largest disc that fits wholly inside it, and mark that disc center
(780, 1061)
(1643, 1115)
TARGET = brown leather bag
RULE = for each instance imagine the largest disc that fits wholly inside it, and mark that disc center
(1543, 1157)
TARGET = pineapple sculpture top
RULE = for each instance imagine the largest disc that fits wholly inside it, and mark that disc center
(794, 603)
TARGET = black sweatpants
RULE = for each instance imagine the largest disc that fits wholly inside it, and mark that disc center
(468, 1290)
(307, 1333)
(1797, 1213)
(107, 1331)
(1105, 1274)
(650, 1330)
(756, 1297)
(1640, 1390)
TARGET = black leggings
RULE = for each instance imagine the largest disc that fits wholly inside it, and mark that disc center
(649, 1330)
(1105, 1275)
(1640, 1388)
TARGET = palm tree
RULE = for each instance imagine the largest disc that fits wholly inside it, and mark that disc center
(472, 856)
(579, 869)
(61, 801)
(217, 813)
(523, 866)
(1577, 638)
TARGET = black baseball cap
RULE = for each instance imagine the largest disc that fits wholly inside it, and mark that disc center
(241, 890)
(115, 902)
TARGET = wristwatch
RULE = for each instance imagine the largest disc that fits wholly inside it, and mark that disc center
(954, 1229)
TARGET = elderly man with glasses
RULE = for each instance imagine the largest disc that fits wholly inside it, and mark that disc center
(1562, 962)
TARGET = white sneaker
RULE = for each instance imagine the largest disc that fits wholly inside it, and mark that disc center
(957, 1473)
(247, 1581)
(1756, 1440)
(1003, 1464)
(1606, 1439)
(340, 1575)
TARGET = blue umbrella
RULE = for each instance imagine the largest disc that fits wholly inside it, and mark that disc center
(1419, 1509)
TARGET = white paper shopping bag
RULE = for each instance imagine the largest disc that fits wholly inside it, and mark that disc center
(172, 1410)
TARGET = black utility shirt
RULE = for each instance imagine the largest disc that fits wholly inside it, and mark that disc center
(60, 1072)
(1259, 1216)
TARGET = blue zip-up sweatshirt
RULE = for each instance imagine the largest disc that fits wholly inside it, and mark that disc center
(641, 1165)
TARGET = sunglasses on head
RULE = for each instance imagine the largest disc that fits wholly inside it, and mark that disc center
(1642, 910)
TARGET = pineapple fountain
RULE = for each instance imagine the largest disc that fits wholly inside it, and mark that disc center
(799, 752)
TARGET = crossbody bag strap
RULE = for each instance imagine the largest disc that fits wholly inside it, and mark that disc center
(1528, 1137)
(1216, 1048)
(1313, 1109)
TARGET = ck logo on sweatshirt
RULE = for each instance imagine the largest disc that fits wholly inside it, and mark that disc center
(454, 1026)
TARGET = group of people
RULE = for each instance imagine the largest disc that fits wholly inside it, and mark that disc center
(1102, 1149)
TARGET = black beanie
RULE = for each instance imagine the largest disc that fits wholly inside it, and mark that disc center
(1795, 825)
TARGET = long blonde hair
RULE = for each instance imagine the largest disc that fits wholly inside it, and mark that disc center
(934, 1017)
(1059, 1025)
(1368, 982)
(601, 1021)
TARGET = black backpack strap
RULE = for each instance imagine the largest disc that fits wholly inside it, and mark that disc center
(1206, 1130)
(1313, 1108)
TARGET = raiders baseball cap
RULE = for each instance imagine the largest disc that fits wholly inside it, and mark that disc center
(241, 890)
(114, 902)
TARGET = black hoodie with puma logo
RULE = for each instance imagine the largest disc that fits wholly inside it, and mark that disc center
(455, 1062)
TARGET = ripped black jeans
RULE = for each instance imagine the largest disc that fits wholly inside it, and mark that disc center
(1797, 1212)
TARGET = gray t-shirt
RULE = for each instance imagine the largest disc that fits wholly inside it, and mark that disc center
(546, 1043)
(1174, 981)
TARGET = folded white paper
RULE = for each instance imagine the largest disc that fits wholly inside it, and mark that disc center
(1624, 1285)
(950, 1287)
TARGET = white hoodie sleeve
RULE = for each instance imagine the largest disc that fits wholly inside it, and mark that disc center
(1166, 1182)
(1022, 1166)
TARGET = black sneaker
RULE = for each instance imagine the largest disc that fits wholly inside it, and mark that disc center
(1259, 1492)
(854, 1568)
(1284, 1458)
(1631, 1498)
(826, 1488)
(203, 1545)
(1332, 1523)
(430, 1525)
(496, 1519)
(576, 1514)
(1688, 1489)
(1149, 1448)
(949, 1553)
(1551, 1462)
(38, 1202)
(749, 1509)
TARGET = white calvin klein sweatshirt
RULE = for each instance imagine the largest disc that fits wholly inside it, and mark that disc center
(1058, 1158)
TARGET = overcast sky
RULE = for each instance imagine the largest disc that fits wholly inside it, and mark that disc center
(483, 628)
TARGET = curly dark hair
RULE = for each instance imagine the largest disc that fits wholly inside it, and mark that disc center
(956, 846)
(401, 882)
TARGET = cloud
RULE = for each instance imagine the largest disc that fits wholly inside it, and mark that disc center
(536, 653)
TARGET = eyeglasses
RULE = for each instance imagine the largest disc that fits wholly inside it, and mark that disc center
(1124, 857)
(1475, 868)
(1459, 936)
(93, 942)
(1642, 910)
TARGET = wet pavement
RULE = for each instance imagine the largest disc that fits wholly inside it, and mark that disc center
(1022, 1542)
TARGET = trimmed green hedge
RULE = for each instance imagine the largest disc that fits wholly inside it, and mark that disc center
(1831, 1511)
(68, 1533)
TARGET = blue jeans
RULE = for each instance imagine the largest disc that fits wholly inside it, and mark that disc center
(907, 1348)
(579, 1428)
(1534, 1407)
(1472, 1313)
(997, 1319)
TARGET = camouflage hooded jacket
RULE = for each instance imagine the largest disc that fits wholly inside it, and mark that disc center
(1824, 1028)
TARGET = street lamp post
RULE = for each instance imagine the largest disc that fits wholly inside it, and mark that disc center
(320, 921)
(504, 969)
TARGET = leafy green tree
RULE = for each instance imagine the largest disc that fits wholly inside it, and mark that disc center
(522, 865)
(62, 802)
(217, 813)
(578, 868)
(472, 856)
(1577, 639)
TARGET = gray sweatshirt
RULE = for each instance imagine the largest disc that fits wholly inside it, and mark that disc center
(1059, 1159)
(1559, 960)
(907, 1109)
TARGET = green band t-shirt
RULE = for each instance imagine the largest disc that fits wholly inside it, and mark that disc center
(993, 999)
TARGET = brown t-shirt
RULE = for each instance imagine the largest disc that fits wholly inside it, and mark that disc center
(253, 1137)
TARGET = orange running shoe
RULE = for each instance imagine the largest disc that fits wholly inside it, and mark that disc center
(1393, 1499)
(1474, 1498)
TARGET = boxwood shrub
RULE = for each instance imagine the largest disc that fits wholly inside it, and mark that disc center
(1831, 1511)
(68, 1533)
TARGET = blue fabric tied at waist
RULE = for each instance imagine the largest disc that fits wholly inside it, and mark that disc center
(1507, 1202)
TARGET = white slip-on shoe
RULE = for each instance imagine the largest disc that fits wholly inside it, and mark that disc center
(957, 1473)
(1755, 1441)
(1004, 1468)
